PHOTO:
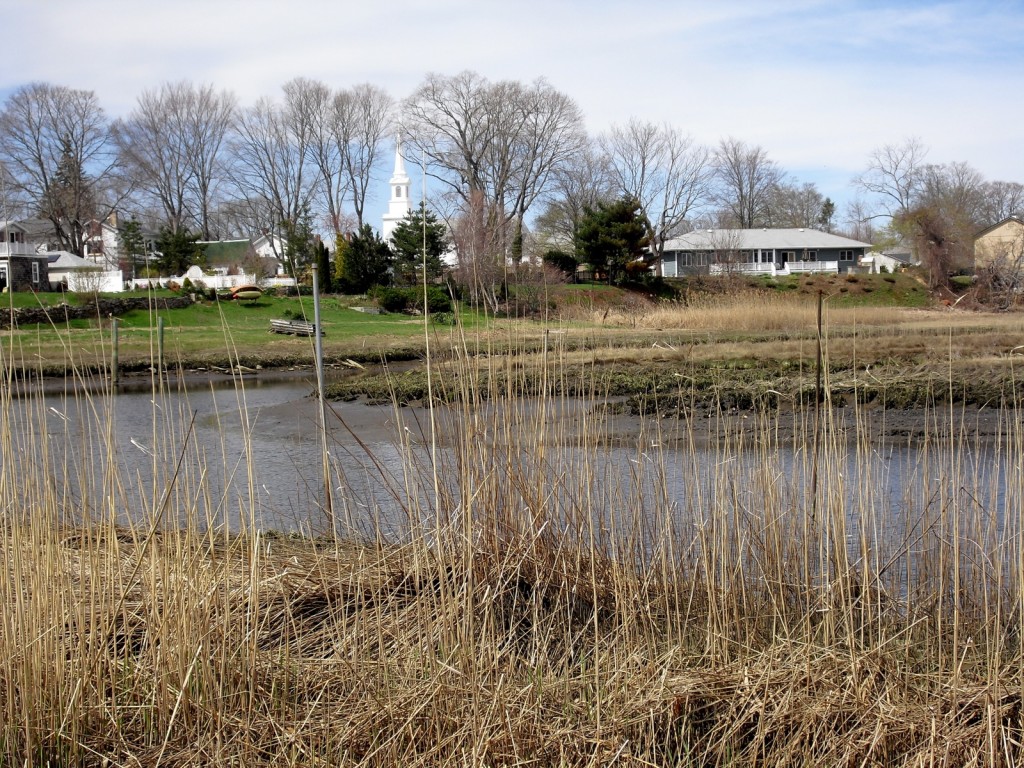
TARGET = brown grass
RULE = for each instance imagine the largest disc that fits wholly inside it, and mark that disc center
(541, 608)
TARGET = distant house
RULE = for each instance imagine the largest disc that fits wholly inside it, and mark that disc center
(759, 251)
(73, 273)
(889, 260)
(232, 256)
(269, 245)
(1002, 243)
(103, 243)
(21, 267)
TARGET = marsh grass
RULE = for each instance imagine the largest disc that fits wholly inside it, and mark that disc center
(538, 605)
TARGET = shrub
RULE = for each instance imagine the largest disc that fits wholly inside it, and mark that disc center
(390, 299)
(411, 299)
(561, 261)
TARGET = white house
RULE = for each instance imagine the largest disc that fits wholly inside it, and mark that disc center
(103, 243)
(81, 275)
(759, 251)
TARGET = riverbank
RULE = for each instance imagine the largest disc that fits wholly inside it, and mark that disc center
(707, 592)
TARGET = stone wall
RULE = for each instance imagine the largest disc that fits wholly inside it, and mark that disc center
(90, 310)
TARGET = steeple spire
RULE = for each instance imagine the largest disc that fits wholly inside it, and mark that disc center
(398, 205)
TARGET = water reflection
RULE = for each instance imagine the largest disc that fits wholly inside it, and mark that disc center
(247, 454)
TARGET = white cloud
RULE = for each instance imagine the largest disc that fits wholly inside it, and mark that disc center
(818, 83)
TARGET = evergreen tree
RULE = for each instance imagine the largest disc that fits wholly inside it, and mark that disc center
(828, 212)
(323, 265)
(179, 251)
(300, 244)
(132, 243)
(69, 201)
(611, 236)
(366, 261)
(418, 229)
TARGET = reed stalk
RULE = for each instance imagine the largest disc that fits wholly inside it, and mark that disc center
(528, 589)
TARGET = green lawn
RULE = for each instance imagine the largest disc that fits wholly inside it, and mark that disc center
(217, 332)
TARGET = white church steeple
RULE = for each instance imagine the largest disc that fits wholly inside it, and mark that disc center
(399, 205)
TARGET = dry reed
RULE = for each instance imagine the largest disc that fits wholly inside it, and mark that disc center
(543, 604)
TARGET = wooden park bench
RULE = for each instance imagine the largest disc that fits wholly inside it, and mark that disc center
(294, 327)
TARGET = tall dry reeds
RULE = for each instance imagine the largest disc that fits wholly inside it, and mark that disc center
(536, 592)
(765, 312)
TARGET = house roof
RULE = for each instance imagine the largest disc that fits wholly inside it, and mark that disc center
(37, 230)
(7, 225)
(903, 255)
(998, 224)
(769, 239)
(224, 253)
(66, 260)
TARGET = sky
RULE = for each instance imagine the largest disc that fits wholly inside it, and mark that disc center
(818, 84)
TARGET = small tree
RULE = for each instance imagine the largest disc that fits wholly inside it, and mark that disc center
(323, 265)
(936, 245)
(612, 236)
(419, 232)
(828, 213)
(132, 243)
(562, 261)
(365, 261)
(179, 251)
(300, 244)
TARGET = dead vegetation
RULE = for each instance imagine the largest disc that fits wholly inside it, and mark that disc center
(540, 607)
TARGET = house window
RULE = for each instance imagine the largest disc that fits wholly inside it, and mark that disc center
(846, 255)
(35, 273)
(789, 255)
(398, 191)
(812, 256)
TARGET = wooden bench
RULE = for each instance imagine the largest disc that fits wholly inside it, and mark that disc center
(294, 327)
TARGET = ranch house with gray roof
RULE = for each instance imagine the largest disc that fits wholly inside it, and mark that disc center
(759, 251)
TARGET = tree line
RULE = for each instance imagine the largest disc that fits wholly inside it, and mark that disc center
(514, 172)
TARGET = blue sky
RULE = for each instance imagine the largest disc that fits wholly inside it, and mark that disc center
(818, 84)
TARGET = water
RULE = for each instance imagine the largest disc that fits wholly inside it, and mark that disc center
(250, 456)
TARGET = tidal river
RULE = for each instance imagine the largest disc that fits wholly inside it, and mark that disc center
(250, 454)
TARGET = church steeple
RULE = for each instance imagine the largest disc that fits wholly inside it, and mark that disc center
(399, 205)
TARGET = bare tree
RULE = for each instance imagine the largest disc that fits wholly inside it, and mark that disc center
(448, 120)
(154, 146)
(858, 222)
(953, 194)
(55, 143)
(550, 137)
(795, 205)
(501, 142)
(664, 170)
(316, 111)
(210, 122)
(362, 119)
(893, 176)
(582, 182)
(1000, 278)
(936, 244)
(271, 151)
(1002, 199)
(478, 234)
(172, 146)
(746, 178)
(726, 253)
